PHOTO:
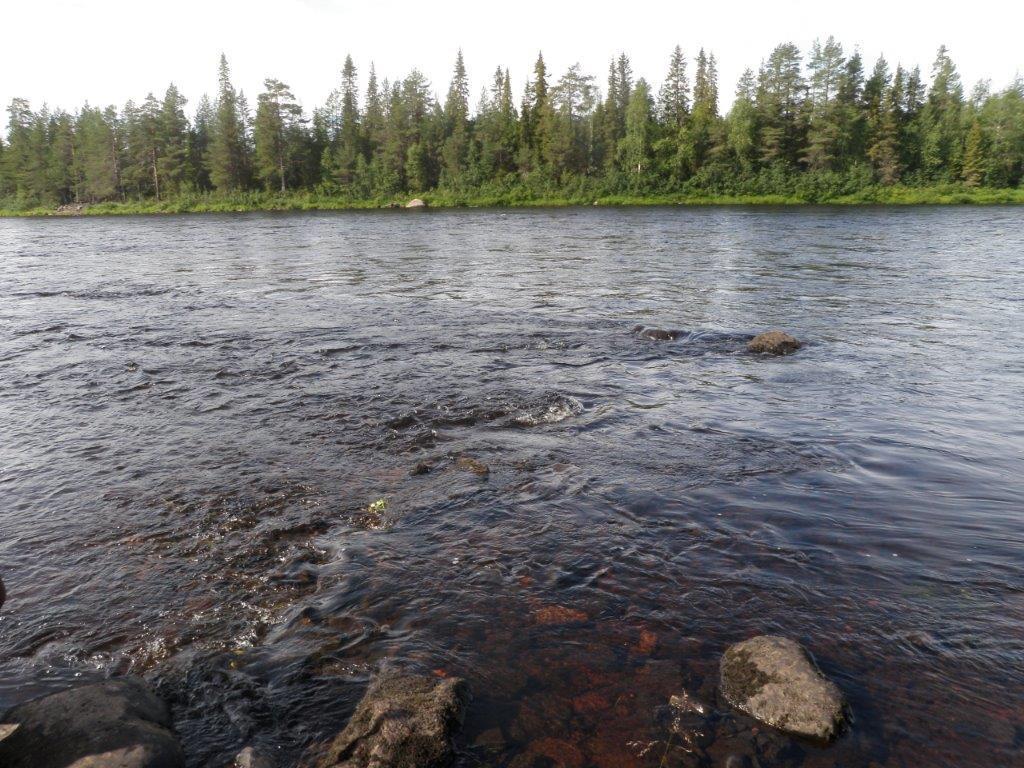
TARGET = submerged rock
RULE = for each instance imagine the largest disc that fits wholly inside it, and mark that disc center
(655, 334)
(3, 593)
(773, 343)
(114, 724)
(468, 464)
(416, 203)
(774, 680)
(403, 721)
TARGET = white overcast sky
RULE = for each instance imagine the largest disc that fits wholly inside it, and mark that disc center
(66, 52)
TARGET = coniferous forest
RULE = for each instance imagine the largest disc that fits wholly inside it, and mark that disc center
(821, 127)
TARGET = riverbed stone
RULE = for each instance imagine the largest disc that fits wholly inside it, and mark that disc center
(403, 721)
(773, 343)
(775, 681)
(250, 757)
(655, 334)
(114, 724)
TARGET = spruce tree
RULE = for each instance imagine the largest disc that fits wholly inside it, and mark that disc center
(674, 98)
(227, 157)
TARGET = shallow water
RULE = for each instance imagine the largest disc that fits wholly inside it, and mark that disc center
(197, 412)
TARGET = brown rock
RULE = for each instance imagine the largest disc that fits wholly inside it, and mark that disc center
(592, 701)
(647, 644)
(773, 343)
(403, 721)
(472, 465)
(559, 614)
(561, 753)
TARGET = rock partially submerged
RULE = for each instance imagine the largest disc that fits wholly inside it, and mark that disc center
(403, 721)
(773, 343)
(774, 680)
(250, 758)
(654, 334)
(416, 203)
(114, 724)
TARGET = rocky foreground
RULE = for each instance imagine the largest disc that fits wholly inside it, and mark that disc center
(403, 721)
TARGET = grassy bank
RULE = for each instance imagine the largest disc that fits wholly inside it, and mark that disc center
(309, 201)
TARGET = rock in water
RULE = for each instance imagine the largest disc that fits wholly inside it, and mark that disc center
(114, 724)
(775, 681)
(403, 721)
(416, 203)
(3, 593)
(773, 343)
(250, 758)
(655, 334)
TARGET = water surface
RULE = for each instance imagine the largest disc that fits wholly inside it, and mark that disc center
(197, 411)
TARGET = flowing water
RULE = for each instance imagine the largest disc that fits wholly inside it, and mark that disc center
(198, 413)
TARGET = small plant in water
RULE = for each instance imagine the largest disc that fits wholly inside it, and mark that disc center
(377, 507)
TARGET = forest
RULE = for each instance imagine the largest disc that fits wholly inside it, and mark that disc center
(821, 128)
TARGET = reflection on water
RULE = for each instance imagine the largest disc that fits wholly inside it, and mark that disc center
(196, 414)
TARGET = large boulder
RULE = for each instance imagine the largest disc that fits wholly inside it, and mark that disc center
(773, 343)
(416, 203)
(403, 721)
(114, 724)
(774, 680)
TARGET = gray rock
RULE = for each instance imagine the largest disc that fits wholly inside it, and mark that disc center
(250, 758)
(416, 203)
(773, 343)
(3, 593)
(114, 724)
(403, 721)
(655, 334)
(774, 680)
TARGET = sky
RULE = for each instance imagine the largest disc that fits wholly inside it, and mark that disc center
(67, 52)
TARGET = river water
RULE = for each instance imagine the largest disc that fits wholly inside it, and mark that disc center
(197, 414)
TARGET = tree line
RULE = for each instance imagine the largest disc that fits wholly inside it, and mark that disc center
(821, 127)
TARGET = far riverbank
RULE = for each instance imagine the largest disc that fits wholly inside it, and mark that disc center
(309, 201)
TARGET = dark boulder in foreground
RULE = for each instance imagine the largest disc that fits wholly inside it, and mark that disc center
(403, 721)
(114, 724)
(774, 680)
(773, 343)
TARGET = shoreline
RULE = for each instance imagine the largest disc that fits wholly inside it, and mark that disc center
(262, 202)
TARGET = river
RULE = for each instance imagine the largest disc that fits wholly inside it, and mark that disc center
(197, 414)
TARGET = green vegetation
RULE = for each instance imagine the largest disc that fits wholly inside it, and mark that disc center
(820, 131)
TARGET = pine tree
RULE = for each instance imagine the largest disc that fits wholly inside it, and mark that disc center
(825, 131)
(278, 135)
(780, 102)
